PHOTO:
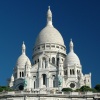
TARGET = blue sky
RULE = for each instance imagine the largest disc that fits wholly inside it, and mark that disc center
(22, 20)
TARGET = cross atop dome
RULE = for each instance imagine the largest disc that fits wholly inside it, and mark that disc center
(49, 17)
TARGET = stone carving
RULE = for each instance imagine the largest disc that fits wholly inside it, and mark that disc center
(59, 80)
(25, 83)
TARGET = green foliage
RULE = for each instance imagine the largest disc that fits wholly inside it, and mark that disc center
(1, 89)
(94, 90)
(5, 88)
(85, 88)
(77, 90)
(97, 87)
(67, 90)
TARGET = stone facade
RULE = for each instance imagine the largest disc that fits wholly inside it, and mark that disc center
(51, 68)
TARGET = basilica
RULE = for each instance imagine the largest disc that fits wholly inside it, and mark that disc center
(52, 68)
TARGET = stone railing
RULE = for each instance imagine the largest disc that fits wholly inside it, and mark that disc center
(42, 95)
(48, 93)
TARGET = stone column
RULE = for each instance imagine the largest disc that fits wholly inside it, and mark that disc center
(40, 65)
(51, 82)
(40, 82)
(47, 82)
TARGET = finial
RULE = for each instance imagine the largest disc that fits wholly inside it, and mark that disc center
(48, 7)
(71, 45)
(49, 17)
(23, 48)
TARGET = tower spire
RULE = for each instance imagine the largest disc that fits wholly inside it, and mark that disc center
(71, 45)
(23, 48)
(49, 17)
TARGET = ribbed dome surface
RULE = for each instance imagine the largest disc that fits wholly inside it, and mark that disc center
(72, 59)
(49, 35)
(22, 60)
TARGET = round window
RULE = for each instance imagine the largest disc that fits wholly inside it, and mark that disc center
(21, 87)
(72, 85)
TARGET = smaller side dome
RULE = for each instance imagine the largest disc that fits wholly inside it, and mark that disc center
(72, 58)
(23, 59)
(28, 62)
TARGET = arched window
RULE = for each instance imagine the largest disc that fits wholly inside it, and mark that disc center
(70, 72)
(53, 60)
(77, 72)
(54, 83)
(20, 74)
(66, 72)
(53, 80)
(57, 61)
(73, 72)
(44, 79)
(35, 61)
(44, 62)
(49, 59)
(34, 84)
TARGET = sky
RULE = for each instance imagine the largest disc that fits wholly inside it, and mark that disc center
(22, 20)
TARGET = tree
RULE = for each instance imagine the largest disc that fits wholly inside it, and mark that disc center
(97, 87)
(67, 90)
(1, 89)
(77, 90)
(85, 88)
(5, 88)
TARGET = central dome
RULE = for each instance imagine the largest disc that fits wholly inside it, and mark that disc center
(49, 34)
(72, 59)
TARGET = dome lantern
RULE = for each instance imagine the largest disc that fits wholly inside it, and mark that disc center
(71, 45)
(49, 17)
(23, 48)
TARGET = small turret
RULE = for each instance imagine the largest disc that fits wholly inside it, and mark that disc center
(11, 82)
(12, 78)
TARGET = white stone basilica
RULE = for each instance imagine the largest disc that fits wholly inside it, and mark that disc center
(51, 67)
